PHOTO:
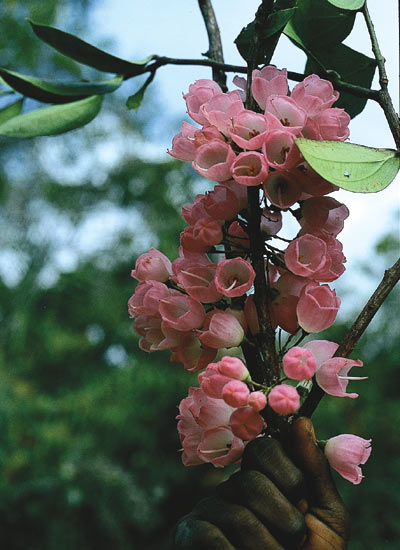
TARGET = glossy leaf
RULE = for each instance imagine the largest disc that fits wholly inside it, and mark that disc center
(347, 4)
(57, 92)
(53, 120)
(352, 167)
(10, 111)
(353, 67)
(85, 53)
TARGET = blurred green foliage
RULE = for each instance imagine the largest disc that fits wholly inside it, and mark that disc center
(88, 443)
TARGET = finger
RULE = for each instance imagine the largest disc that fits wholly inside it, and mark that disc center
(258, 493)
(267, 455)
(240, 526)
(192, 533)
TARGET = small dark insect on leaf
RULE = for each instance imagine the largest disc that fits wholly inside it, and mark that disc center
(346, 174)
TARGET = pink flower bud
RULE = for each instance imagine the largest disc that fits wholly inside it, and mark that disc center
(345, 452)
(268, 81)
(233, 367)
(223, 331)
(317, 307)
(152, 265)
(332, 377)
(235, 393)
(284, 399)
(257, 400)
(249, 168)
(234, 277)
(214, 159)
(299, 363)
(246, 423)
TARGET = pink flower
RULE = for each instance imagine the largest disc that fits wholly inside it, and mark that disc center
(271, 221)
(257, 400)
(323, 214)
(212, 381)
(221, 203)
(282, 189)
(198, 282)
(299, 363)
(332, 377)
(246, 423)
(317, 307)
(322, 350)
(332, 124)
(214, 159)
(234, 277)
(249, 168)
(182, 312)
(284, 399)
(233, 367)
(268, 81)
(146, 299)
(306, 256)
(239, 239)
(187, 259)
(199, 93)
(193, 212)
(152, 265)
(235, 393)
(220, 447)
(183, 147)
(249, 129)
(220, 110)
(283, 306)
(314, 94)
(222, 330)
(286, 110)
(280, 150)
(190, 351)
(345, 453)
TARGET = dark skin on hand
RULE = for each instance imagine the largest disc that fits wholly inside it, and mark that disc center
(280, 500)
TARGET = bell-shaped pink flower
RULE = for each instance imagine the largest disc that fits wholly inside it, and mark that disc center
(192, 353)
(271, 221)
(284, 399)
(249, 168)
(323, 214)
(212, 381)
(182, 312)
(222, 330)
(314, 94)
(311, 182)
(282, 189)
(234, 277)
(220, 110)
(345, 453)
(280, 150)
(306, 256)
(269, 81)
(221, 203)
(183, 147)
(233, 367)
(239, 190)
(199, 93)
(239, 239)
(257, 400)
(235, 393)
(332, 124)
(250, 129)
(241, 83)
(322, 350)
(194, 211)
(198, 281)
(299, 363)
(283, 306)
(317, 307)
(146, 299)
(152, 265)
(246, 423)
(286, 110)
(332, 377)
(214, 160)
(220, 447)
(187, 259)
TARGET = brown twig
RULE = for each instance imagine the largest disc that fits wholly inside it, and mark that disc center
(390, 278)
(214, 40)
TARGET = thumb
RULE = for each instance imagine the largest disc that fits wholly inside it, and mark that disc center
(311, 460)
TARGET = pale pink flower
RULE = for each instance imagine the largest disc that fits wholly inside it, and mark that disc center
(332, 124)
(249, 168)
(199, 93)
(322, 350)
(306, 256)
(286, 110)
(250, 129)
(220, 110)
(221, 330)
(323, 214)
(332, 377)
(284, 399)
(299, 363)
(257, 400)
(314, 94)
(235, 393)
(269, 81)
(282, 189)
(246, 423)
(317, 307)
(241, 83)
(183, 147)
(234, 277)
(213, 160)
(198, 281)
(280, 150)
(220, 447)
(182, 312)
(146, 298)
(345, 453)
(152, 265)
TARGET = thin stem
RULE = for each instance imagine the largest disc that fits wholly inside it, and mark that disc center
(390, 278)
(214, 40)
(384, 99)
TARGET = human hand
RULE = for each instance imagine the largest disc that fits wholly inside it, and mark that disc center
(275, 502)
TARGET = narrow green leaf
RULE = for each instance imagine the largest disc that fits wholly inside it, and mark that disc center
(347, 4)
(352, 167)
(134, 101)
(10, 111)
(85, 53)
(57, 92)
(353, 67)
(53, 120)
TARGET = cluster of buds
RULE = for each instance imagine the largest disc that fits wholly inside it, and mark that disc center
(196, 307)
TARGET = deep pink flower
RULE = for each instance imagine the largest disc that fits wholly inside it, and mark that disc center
(283, 306)
(182, 312)
(314, 94)
(249, 168)
(271, 221)
(195, 211)
(199, 93)
(317, 307)
(323, 214)
(239, 239)
(299, 363)
(239, 190)
(234, 277)
(269, 81)
(152, 265)
(345, 453)
(235, 393)
(246, 423)
(221, 203)
(332, 377)
(284, 399)
(214, 159)
(222, 330)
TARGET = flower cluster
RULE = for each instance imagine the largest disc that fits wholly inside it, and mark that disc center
(195, 307)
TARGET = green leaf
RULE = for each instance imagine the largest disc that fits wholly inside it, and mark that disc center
(352, 167)
(85, 53)
(134, 101)
(57, 92)
(347, 4)
(353, 67)
(10, 111)
(53, 120)
(276, 21)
